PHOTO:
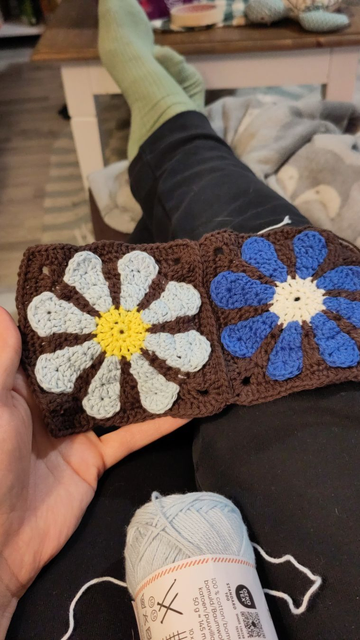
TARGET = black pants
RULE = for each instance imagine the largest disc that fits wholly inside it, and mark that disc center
(290, 465)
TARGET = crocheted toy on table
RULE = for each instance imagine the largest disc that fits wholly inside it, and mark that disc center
(313, 15)
(288, 310)
(115, 334)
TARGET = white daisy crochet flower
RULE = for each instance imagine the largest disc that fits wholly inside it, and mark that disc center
(122, 333)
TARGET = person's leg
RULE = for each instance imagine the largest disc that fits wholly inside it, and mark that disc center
(187, 180)
(188, 183)
(126, 46)
(292, 467)
(184, 75)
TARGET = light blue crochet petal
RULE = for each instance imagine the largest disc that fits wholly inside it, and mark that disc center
(347, 278)
(286, 359)
(260, 253)
(234, 290)
(348, 309)
(245, 337)
(336, 347)
(310, 251)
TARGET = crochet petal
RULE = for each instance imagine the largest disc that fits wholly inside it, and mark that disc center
(348, 309)
(286, 359)
(346, 278)
(103, 396)
(57, 372)
(245, 337)
(310, 250)
(335, 347)
(235, 290)
(137, 270)
(157, 394)
(48, 315)
(185, 351)
(179, 299)
(260, 253)
(84, 272)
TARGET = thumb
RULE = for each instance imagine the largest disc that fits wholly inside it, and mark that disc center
(10, 350)
(117, 445)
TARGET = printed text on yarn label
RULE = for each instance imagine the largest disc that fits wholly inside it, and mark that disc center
(204, 598)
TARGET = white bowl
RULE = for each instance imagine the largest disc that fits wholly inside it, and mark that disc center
(203, 14)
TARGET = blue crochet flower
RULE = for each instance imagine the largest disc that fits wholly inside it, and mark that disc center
(290, 302)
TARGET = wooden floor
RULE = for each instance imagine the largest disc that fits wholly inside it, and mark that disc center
(30, 97)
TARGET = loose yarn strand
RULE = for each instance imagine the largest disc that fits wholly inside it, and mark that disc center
(80, 594)
(279, 594)
(287, 220)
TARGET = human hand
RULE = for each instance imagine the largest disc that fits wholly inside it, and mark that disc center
(46, 484)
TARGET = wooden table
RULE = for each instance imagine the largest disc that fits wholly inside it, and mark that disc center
(228, 58)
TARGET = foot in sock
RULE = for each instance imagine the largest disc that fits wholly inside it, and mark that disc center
(126, 46)
(183, 73)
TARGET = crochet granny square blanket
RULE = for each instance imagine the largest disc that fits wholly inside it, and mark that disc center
(115, 334)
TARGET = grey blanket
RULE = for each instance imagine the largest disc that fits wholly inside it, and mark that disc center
(307, 151)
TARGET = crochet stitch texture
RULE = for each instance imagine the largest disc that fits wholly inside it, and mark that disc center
(115, 334)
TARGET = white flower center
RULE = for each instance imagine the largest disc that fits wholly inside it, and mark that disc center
(297, 299)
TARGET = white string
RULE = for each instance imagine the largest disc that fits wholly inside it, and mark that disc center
(78, 596)
(286, 221)
(279, 594)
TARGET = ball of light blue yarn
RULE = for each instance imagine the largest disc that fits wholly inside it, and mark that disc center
(173, 528)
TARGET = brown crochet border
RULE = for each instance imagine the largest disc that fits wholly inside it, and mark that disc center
(224, 379)
(248, 379)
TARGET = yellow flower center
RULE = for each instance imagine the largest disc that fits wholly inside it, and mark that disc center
(121, 333)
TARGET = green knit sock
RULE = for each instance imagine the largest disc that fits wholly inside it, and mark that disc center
(183, 73)
(126, 46)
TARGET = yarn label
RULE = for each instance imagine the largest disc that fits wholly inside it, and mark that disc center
(204, 598)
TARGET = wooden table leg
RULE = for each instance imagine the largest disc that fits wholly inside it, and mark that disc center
(80, 100)
(342, 74)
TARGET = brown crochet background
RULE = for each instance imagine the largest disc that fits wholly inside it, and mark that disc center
(42, 269)
(224, 379)
(221, 251)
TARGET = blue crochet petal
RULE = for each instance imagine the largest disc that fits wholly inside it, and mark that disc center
(286, 359)
(348, 309)
(260, 253)
(336, 347)
(234, 290)
(245, 337)
(347, 278)
(310, 251)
